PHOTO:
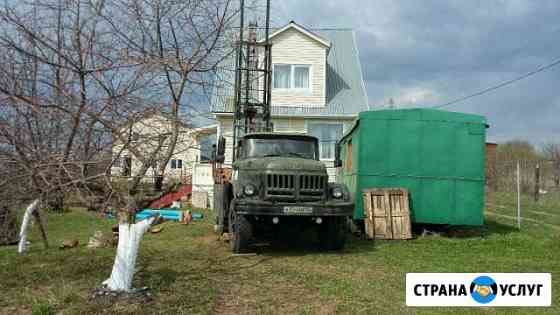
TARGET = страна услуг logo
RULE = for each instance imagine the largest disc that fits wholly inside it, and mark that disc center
(483, 289)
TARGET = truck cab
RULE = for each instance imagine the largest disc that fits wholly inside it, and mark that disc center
(279, 187)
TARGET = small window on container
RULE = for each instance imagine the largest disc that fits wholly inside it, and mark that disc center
(349, 158)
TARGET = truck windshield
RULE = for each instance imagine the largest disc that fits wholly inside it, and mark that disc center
(279, 147)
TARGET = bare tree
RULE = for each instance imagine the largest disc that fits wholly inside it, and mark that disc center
(183, 42)
(75, 76)
(551, 151)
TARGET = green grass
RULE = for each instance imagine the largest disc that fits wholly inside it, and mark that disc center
(190, 271)
(546, 210)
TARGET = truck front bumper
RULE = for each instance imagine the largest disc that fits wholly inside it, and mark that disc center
(312, 209)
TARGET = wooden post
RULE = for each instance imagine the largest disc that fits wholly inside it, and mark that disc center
(537, 179)
(518, 196)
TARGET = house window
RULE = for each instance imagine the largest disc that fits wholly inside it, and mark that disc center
(328, 135)
(301, 77)
(206, 148)
(291, 77)
(176, 163)
(282, 76)
(117, 162)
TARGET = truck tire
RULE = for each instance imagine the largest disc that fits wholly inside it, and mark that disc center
(221, 206)
(332, 234)
(240, 230)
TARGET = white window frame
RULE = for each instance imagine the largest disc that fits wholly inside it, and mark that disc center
(308, 89)
(176, 162)
(325, 122)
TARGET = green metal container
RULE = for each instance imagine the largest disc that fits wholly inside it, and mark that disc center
(437, 155)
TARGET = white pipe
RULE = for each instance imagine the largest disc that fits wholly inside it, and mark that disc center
(22, 245)
(130, 236)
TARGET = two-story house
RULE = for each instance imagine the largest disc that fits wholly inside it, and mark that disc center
(192, 148)
(317, 87)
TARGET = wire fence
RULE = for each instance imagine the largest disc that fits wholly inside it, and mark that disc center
(535, 177)
(525, 191)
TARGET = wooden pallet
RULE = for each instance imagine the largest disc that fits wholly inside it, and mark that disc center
(387, 213)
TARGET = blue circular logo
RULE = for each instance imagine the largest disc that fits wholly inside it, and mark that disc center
(483, 289)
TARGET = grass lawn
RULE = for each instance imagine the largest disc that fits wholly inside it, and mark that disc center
(189, 271)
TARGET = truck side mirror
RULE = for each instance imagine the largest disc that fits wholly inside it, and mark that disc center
(337, 160)
(221, 150)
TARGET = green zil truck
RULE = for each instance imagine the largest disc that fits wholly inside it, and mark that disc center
(279, 188)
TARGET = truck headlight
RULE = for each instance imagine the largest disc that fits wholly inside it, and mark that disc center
(249, 190)
(337, 192)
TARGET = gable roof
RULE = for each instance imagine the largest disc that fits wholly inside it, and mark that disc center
(299, 28)
(345, 89)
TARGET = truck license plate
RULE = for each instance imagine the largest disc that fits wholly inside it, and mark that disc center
(298, 210)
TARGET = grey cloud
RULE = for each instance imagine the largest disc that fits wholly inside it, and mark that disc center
(447, 49)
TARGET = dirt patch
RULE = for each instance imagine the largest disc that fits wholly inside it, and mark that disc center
(328, 308)
(244, 297)
(208, 239)
(12, 310)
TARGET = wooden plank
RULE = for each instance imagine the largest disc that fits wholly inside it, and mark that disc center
(400, 215)
(368, 221)
(382, 216)
(387, 212)
(407, 221)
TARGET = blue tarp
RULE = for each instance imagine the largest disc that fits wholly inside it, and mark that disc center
(167, 214)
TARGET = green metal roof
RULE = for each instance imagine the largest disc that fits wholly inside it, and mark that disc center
(417, 114)
(345, 89)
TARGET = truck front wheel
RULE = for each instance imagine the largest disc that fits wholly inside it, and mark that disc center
(240, 230)
(332, 234)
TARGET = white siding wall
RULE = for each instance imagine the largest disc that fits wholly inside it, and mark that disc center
(293, 47)
(289, 125)
(225, 130)
(186, 148)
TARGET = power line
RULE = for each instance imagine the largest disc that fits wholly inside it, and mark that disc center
(502, 84)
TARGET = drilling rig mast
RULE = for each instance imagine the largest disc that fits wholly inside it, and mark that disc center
(252, 78)
(253, 81)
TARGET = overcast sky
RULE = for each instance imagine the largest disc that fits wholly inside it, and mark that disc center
(425, 53)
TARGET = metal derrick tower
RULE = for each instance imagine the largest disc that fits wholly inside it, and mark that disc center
(253, 77)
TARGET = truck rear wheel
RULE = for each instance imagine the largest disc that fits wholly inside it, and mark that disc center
(240, 230)
(221, 206)
(332, 234)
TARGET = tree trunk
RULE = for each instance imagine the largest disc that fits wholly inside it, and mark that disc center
(130, 235)
(158, 183)
(22, 246)
(55, 202)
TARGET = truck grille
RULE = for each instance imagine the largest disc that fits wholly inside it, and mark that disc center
(295, 187)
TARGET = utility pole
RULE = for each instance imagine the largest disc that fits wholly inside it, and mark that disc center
(537, 181)
(518, 196)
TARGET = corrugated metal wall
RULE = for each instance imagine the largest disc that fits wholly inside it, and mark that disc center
(437, 155)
